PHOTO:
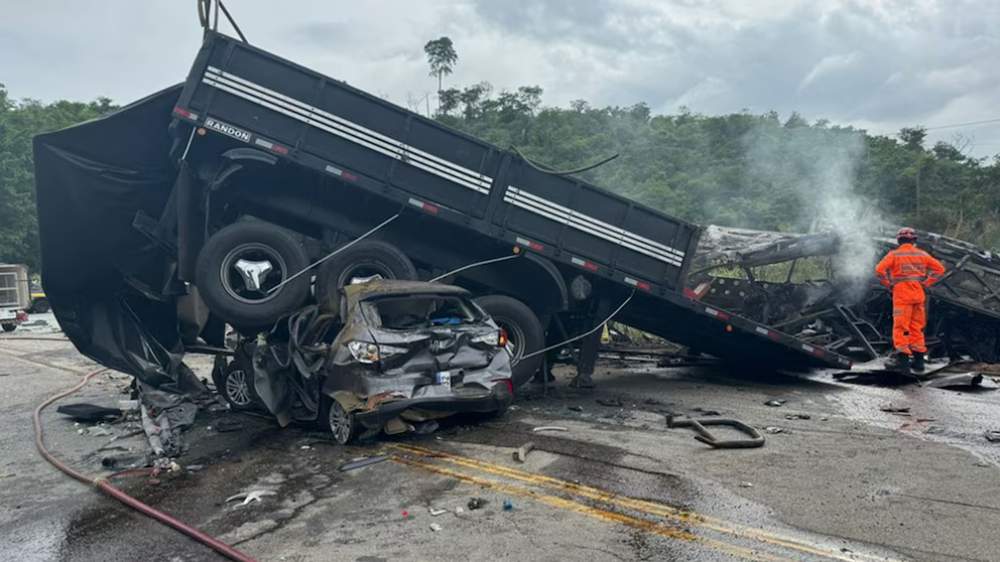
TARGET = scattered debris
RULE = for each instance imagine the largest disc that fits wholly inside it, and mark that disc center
(773, 429)
(82, 412)
(521, 454)
(746, 485)
(459, 510)
(435, 511)
(775, 403)
(226, 425)
(406, 514)
(362, 462)
(119, 462)
(549, 428)
(893, 409)
(575, 408)
(476, 503)
(98, 430)
(435, 527)
(251, 496)
(305, 447)
(706, 412)
(653, 402)
(507, 504)
(706, 437)
(194, 467)
(960, 380)
(993, 435)
(610, 402)
(798, 417)
(128, 405)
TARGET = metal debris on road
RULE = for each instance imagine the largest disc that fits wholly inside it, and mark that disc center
(362, 462)
(893, 409)
(746, 485)
(993, 435)
(773, 429)
(775, 403)
(435, 511)
(549, 428)
(521, 454)
(798, 417)
(698, 425)
(251, 496)
(476, 503)
(435, 527)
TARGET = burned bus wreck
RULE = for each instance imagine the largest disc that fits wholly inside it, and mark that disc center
(791, 282)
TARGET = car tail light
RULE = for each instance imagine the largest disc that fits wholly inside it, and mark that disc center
(498, 338)
(507, 383)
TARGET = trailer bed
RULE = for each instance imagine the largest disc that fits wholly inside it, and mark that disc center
(254, 98)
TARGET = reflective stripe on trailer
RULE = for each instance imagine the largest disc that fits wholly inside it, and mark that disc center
(347, 130)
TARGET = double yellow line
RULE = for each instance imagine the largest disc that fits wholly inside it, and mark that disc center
(688, 519)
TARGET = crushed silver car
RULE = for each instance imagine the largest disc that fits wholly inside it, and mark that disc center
(396, 356)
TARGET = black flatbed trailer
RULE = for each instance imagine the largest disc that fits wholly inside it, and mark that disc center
(127, 202)
(254, 98)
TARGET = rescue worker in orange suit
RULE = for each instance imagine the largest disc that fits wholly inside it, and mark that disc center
(908, 270)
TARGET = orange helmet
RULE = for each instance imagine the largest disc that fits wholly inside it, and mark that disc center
(906, 234)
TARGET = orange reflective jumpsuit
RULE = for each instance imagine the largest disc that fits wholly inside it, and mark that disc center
(907, 270)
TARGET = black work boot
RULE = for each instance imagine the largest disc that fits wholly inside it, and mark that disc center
(917, 365)
(899, 362)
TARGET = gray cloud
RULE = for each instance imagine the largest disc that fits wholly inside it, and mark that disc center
(879, 65)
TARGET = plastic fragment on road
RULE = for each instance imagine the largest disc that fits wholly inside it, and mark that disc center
(435, 511)
(549, 428)
(251, 496)
(521, 454)
(773, 429)
(775, 403)
(362, 462)
(993, 435)
(435, 527)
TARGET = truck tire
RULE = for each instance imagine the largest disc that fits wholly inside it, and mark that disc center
(240, 263)
(367, 258)
(9, 327)
(524, 331)
(41, 306)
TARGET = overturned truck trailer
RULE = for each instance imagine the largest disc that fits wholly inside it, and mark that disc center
(203, 204)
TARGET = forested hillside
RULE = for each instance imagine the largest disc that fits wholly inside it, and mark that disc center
(759, 171)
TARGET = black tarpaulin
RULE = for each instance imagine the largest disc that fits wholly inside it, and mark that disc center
(103, 277)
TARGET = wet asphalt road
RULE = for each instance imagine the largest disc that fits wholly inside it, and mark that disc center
(850, 482)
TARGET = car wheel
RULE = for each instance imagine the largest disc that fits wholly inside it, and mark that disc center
(364, 260)
(240, 269)
(9, 327)
(41, 306)
(339, 421)
(237, 388)
(525, 334)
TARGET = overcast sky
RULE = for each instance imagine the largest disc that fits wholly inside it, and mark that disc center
(875, 64)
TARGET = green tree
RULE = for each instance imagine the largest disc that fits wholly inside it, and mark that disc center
(19, 122)
(441, 56)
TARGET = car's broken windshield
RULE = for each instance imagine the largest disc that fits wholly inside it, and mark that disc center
(408, 312)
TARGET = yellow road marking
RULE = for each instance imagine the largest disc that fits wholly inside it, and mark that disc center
(561, 503)
(644, 506)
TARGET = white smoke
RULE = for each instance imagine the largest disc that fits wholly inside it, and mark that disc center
(819, 166)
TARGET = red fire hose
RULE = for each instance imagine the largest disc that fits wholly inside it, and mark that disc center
(103, 485)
